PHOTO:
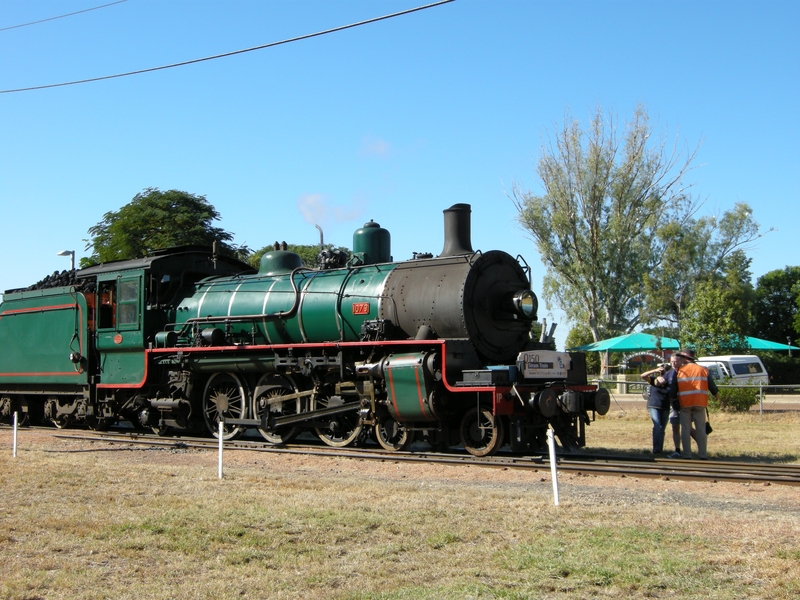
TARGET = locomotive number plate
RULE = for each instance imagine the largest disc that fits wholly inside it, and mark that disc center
(544, 364)
(360, 308)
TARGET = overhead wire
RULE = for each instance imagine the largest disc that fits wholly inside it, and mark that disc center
(85, 10)
(234, 52)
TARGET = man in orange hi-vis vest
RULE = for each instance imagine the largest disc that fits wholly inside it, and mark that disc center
(691, 388)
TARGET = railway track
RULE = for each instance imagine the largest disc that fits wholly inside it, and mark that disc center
(613, 466)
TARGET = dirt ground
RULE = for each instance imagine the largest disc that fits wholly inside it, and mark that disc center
(754, 496)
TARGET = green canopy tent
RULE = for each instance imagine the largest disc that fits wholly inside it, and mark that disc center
(642, 342)
(631, 342)
(758, 344)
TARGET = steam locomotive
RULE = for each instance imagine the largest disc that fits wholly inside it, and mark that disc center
(434, 348)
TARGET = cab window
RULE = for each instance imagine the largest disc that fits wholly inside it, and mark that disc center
(118, 304)
(128, 302)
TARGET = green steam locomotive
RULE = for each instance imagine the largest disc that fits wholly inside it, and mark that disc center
(436, 349)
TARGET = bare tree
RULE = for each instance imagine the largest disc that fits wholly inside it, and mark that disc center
(606, 197)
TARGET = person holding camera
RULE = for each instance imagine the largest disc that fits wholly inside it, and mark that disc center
(658, 402)
(675, 412)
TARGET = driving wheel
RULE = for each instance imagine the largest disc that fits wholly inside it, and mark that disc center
(225, 395)
(341, 429)
(268, 398)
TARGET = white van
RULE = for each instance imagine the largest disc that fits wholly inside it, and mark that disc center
(742, 369)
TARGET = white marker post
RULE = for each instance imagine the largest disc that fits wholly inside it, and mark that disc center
(14, 444)
(551, 442)
(220, 448)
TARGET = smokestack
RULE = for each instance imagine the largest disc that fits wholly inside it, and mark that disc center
(457, 226)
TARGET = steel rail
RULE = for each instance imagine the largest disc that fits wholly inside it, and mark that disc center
(788, 470)
(666, 469)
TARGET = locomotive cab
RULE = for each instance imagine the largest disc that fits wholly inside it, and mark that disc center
(132, 302)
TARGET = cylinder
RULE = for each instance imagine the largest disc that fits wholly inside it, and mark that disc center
(409, 386)
(460, 297)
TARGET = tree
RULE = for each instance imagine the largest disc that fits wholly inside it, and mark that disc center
(712, 311)
(606, 199)
(778, 293)
(694, 252)
(154, 220)
(720, 314)
(797, 316)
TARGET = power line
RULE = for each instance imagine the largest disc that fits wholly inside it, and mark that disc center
(216, 56)
(62, 16)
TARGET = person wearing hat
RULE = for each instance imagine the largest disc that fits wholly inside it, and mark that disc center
(658, 403)
(691, 388)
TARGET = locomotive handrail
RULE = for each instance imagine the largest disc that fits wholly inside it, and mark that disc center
(525, 267)
(471, 258)
(338, 304)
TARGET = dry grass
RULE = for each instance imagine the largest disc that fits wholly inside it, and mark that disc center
(773, 436)
(158, 524)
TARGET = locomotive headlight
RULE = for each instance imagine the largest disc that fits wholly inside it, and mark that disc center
(525, 304)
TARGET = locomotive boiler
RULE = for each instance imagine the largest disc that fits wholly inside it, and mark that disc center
(433, 348)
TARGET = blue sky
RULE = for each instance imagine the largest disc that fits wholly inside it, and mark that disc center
(393, 121)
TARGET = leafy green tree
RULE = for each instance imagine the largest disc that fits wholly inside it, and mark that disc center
(709, 314)
(154, 220)
(606, 199)
(694, 252)
(778, 293)
(782, 368)
(797, 316)
(720, 313)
